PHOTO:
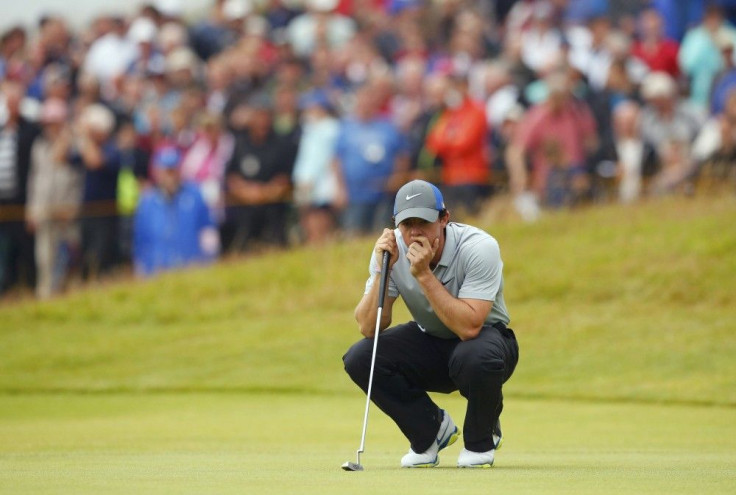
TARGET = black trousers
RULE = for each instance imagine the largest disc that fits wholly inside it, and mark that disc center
(410, 363)
(17, 259)
(99, 245)
(260, 223)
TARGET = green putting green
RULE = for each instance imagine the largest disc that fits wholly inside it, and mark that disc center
(275, 443)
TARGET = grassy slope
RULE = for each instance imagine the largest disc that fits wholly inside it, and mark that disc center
(616, 303)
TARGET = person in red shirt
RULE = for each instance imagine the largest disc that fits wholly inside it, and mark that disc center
(459, 139)
(652, 48)
(556, 137)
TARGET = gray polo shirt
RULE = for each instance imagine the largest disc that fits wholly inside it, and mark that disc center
(470, 268)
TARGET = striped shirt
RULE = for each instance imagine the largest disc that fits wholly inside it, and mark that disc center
(8, 169)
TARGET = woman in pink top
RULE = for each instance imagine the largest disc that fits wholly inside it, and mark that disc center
(205, 160)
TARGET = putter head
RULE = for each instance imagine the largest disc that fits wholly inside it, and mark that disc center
(351, 466)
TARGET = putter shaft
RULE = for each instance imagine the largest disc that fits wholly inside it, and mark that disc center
(381, 295)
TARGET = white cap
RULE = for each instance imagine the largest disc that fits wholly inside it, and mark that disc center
(170, 8)
(322, 5)
(181, 58)
(236, 9)
(142, 30)
(98, 117)
(658, 85)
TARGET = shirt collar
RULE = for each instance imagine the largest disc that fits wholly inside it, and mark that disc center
(448, 251)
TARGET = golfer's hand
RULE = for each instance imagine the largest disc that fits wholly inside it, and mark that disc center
(420, 254)
(387, 242)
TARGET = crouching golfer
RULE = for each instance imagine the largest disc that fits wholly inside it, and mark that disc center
(450, 277)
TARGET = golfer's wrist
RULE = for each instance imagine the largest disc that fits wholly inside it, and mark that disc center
(424, 277)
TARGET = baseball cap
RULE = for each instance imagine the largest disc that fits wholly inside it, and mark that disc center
(313, 98)
(418, 199)
(167, 157)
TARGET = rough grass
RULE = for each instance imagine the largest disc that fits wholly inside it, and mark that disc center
(614, 303)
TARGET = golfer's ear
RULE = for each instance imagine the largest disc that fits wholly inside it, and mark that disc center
(445, 217)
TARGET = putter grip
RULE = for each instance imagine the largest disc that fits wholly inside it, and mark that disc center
(384, 278)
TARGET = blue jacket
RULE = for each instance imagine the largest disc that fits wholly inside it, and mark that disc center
(167, 230)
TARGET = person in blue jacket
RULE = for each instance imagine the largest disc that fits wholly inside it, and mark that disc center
(173, 227)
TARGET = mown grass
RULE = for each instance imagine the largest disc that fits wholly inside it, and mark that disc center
(221, 443)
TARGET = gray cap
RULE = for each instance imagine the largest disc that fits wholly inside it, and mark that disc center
(418, 199)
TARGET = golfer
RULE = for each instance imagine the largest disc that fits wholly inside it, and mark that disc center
(450, 277)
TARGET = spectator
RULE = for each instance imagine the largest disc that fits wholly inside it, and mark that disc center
(168, 10)
(143, 33)
(636, 159)
(459, 139)
(658, 52)
(223, 29)
(17, 134)
(258, 177)
(678, 15)
(12, 43)
(132, 177)
(500, 92)
(319, 25)
(670, 126)
(171, 36)
(590, 52)
(423, 160)
(315, 179)
(173, 227)
(219, 78)
(714, 149)
(279, 14)
(726, 79)
(95, 151)
(54, 199)
(700, 57)
(205, 161)
(501, 135)
(557, 133)
(372, 158)
(111, 54)
(406, 104)
(286, 112)
(542, 40)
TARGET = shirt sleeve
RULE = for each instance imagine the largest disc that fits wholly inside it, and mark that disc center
(483, 271)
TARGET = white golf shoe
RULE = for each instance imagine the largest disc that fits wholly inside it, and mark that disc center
(446, 435)
(470, 459)
(497, 436)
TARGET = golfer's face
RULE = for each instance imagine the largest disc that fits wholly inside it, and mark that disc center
(412, 229)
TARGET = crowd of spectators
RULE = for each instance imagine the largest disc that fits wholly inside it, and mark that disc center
(157, 140)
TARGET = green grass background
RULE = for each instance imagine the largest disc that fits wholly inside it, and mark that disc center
(229, 379)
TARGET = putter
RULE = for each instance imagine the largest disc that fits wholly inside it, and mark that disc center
(357, 466)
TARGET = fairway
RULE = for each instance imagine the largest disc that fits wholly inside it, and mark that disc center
(251, 443)
(229, 380)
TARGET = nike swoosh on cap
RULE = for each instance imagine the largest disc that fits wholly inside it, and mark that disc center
(409, 198)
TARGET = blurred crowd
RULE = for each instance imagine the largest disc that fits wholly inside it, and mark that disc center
(157, 140)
